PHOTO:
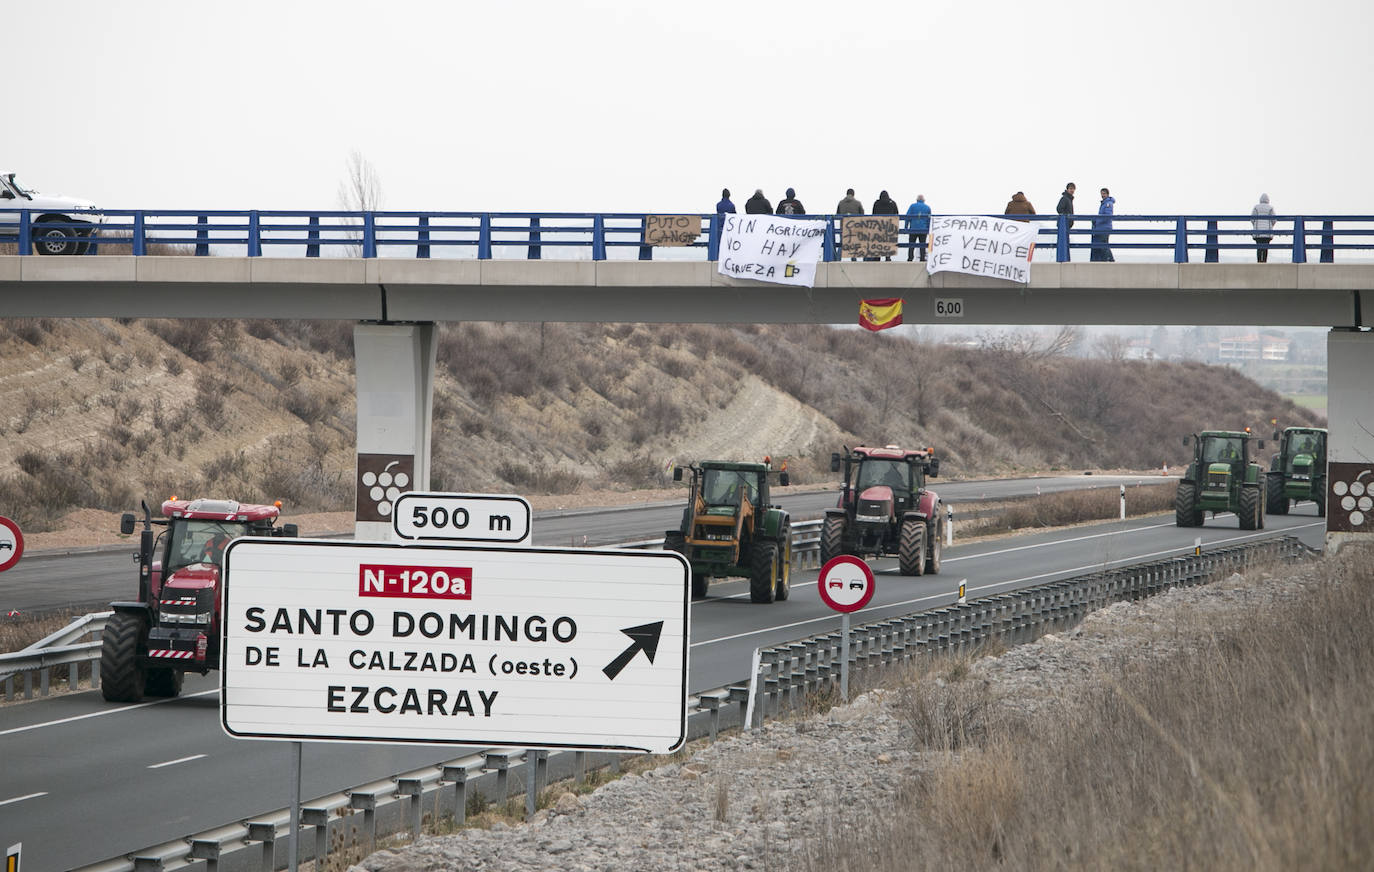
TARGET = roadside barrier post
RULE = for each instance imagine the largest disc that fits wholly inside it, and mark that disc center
(1123, 502)
(949, 525)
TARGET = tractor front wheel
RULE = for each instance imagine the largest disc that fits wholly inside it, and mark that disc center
(933, 538)
(911, 548)
(121, 645)
(1251, 509)
(1276, 503)
(1186, 511)
(784, 585)
(832, 538)
(763, 572)
(674, 540)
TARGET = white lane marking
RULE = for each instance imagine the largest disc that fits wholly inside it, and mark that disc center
(22, 798)
(1139, 558)
(100, 714)
(175, 762)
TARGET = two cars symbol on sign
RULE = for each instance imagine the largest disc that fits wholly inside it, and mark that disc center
(846, 583)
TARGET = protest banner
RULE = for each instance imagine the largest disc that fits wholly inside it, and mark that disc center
(770, 248)
(868, 235)
(671, 230)
(996, 248)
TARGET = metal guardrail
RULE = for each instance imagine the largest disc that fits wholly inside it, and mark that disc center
(787, 672)
(528, 235)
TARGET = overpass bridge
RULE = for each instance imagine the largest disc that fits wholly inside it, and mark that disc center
(492, 268)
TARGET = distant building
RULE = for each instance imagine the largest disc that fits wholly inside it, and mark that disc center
(1140, 349)
(1253, 346)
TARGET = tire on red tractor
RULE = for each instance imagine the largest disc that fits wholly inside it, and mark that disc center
(163, 682)
(763, 572)
(933, 537)
(1251, 508)
(911, 547)
(832, 537)
(1186, 511)
(122, 676)
(1276, 502)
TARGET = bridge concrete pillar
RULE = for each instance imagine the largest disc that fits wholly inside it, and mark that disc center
(1350, 440)
(394, 365)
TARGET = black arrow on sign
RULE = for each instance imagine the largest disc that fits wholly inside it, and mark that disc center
(645, 639)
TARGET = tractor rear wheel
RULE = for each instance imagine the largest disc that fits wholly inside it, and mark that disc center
(784, 585)
(911, 548)
(832, 538)
(763, 572)
(1186, 512)
(121, 645)
(1251, 508)
(1276, 503)
(163, 682)
(933, 547)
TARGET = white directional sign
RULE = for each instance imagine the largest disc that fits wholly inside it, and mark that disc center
(418, 643)
(469, 517)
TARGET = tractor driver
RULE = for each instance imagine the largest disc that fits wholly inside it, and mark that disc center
(213, 552)
(1228, 451)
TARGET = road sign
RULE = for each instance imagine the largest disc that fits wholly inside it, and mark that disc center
(488, 645)
(846, 583)
(469, 517)
(11, 544)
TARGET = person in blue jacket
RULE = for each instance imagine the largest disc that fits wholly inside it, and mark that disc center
(1102, 228)
(918, 225)
(725, 205)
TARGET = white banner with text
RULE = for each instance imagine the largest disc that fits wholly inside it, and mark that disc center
(998, 248)
(771, 248)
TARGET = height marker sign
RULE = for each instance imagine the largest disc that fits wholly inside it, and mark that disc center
(424, 642)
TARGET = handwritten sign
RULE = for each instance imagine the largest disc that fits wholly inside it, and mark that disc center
(770, 248)
(980, 246)
(671, 230)
(869, 235)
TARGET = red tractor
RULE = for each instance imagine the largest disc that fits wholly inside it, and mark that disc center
(149, 645)
(885, 508)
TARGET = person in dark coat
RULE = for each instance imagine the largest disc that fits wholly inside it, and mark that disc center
(850, 205)
(758, 204)
(725, 205)
(884, 205)
(1102, 228)
(1065, 206)
(791, 205)
(1019, 205)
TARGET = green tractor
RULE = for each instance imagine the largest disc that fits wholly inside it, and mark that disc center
(1221, 478)
(729, 528)
(1298, 471)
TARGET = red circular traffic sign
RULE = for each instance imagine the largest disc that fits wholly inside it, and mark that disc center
(11, 543)
(846, 583)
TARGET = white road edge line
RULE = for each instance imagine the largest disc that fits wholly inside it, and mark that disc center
(100, 714)
(175, 762)
(22, 798)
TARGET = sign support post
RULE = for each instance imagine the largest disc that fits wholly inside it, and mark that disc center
(294, 839)
(844, 655)
(846, 584)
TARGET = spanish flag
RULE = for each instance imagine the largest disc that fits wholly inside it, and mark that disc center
(880, 314)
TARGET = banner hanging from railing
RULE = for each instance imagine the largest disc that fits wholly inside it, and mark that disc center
(770, 249)
(997, 248)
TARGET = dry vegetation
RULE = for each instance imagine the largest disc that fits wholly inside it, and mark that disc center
(101, 413)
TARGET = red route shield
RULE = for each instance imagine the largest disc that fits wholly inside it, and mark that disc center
(846, 583)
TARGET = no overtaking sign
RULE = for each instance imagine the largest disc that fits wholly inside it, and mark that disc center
(521, 647)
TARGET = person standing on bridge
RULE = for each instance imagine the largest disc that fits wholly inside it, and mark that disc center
(918, 218)
(1065, 206)
(758, 204)
(1019, 205)
(791, 205)
(725, 205)
(884, 205)
(1102, 228)
(850, 205)
(1262, 222)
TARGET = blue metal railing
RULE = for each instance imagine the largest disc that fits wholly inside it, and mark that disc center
(602, 236)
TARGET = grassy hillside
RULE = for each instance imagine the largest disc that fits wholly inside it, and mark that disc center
(100, 413)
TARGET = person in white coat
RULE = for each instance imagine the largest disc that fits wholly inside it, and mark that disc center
(1262, 222)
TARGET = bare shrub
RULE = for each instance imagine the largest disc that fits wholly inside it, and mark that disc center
(945, 710)
(173, 365)
(539, 479)
(191, 337)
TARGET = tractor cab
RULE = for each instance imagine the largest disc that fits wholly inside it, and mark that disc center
(1222, 477)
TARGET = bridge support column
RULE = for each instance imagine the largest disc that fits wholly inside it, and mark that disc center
(394, 364)
(1350, 441)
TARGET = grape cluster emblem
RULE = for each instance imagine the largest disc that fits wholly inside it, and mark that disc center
(382, 478)
(1356, 497)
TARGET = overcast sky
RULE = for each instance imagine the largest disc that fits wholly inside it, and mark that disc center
(1179, 107)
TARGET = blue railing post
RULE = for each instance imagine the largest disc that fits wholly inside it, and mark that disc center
(484, 237)
(1299, 241)
(422, 250)
(202, 236)
(1212, 251)
(140, 240)
(646, 252)
(1328, 242)
(254, 240)
(1061, 240)
(536, 250)
(369, 234)
(25, 233)
(1181, 240)
(828, 250)
(598, 238)
(713, 238)
(312, 235)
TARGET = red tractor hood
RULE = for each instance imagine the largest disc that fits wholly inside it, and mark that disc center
(880, 493)
(193, 577)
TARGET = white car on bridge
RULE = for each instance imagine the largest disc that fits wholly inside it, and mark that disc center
(51, 215)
